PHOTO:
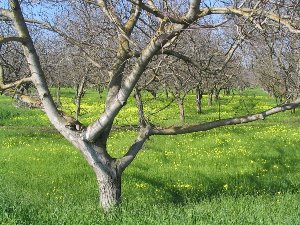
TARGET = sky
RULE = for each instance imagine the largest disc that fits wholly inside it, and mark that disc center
(37, 11)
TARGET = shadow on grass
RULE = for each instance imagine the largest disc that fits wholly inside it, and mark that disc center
(275, 175)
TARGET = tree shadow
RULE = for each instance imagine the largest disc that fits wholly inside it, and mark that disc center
(274, 176)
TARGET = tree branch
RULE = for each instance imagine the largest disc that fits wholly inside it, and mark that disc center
(224, 122)
(37, 74)
(185, 58)
(6, 13)
(193, 10)
(110, 13)
(249, 13)
(68, 38)
(4, 40)
(131, 22)
(93, 154)
(12, 84)
(134, 149)
(94, 131)
(150, 8)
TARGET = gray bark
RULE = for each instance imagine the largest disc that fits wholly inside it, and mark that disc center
(37, 74)
(109, 189)
(79, 95)
(58, 95)
(216, 94)
(223, 122)
(209, 98)
(199, 95)
(180, 103)
(139, 102)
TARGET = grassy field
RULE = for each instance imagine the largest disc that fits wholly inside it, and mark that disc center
(246, 174)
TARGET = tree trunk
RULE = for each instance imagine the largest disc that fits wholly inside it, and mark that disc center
(227, 91)
(152, 92)
(79, 94)
(107, 170)
(109, 190)
(216, 94)
(100, 89)
(166, 91)
(209, 100)
(58, 95)
(180, 103)
(199, 94)
(293, 110)
(139, 102)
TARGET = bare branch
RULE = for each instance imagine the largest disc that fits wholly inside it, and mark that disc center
(193, 10)
(12, 84)
(5, 13)
(94, 157)
(135, 148)
(110, 13)
(150, 8)
(125, 29)
(68, 38)
(249, 13)
(4, 40)
(184, 58)
(132, 19)
(162, 108)
(37, 74)
(224, 122)
(210, 26)
(95, 130)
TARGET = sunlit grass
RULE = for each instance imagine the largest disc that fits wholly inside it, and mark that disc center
(247, 174)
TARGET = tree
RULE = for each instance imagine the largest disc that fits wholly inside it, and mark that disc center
(165, 22)
(278, 61)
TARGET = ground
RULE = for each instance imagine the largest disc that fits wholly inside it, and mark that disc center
(246, 174)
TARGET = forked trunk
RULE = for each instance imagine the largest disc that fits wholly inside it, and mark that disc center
(109, 190)
(107, 170)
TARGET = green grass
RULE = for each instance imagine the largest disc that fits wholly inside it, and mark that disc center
(247, 174)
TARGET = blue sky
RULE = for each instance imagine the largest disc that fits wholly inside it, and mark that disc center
(37, 11)
(45, 12)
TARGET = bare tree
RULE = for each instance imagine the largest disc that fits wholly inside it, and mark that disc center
(133, 53)
(277, 59)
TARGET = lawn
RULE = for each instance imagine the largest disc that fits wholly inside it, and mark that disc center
(245, 174)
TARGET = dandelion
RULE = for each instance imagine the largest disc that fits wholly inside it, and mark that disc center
(141, 185)
(275, 166)
(225, 186)
(183, 186)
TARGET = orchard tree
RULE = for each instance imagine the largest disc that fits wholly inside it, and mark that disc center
(144, 29)
(278, 60)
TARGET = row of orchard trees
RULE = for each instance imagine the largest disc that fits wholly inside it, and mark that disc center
(75, 55)
(72, 57)
(133, 45)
